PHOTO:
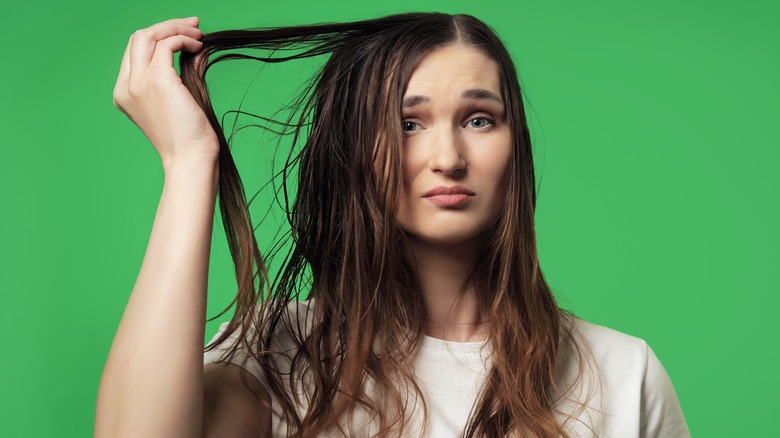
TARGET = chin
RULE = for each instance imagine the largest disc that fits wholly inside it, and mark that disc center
(445, 237)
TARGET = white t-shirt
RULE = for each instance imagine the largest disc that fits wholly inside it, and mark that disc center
(629, 393)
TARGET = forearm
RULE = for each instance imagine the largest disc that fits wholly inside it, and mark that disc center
(152, 383)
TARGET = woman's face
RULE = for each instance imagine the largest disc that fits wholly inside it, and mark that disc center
(457, 147)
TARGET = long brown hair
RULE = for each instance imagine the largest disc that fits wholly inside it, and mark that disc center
(347, 251)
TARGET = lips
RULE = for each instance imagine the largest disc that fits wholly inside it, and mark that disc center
(449, 196)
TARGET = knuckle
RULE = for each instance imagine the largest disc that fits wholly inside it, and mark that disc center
(153, 84)
(170, 42)
(120, 92)
(136, 89)
(118, 97)
(120, 100)
(164, 44)
(139, 35)
(157, 83)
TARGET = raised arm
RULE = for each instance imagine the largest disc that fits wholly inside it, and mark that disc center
(152, 383)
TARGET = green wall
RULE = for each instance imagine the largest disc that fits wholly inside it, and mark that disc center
(656, 136)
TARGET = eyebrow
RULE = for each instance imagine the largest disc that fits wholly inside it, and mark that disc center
(470, 94)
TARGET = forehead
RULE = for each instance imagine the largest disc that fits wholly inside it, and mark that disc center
(451, 69)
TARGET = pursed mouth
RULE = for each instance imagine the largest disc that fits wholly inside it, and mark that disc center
(450, 200)
(456, 191)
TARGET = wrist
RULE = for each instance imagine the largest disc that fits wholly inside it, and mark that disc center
(192, 166)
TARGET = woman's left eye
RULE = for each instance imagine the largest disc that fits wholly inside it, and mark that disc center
(480, 122)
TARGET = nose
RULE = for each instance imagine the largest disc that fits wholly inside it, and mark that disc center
(446, 154)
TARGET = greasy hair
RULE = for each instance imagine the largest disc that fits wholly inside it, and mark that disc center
(347, 251)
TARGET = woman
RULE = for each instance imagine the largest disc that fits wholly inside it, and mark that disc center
(427, 312)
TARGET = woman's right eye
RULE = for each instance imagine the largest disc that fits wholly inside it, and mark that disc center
(409, 126)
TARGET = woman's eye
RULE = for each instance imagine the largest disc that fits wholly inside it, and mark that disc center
(409, 126)
(480, 122)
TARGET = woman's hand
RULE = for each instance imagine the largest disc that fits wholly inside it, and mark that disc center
(151, 93)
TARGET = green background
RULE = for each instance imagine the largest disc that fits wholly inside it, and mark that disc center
(656, 134)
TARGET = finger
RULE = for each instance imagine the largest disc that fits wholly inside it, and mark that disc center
(180, 23)
(163, 52)
(191, 21)
(143, 42)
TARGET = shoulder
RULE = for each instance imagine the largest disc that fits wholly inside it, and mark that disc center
(609, 347)
(632, 386)
(621, 359)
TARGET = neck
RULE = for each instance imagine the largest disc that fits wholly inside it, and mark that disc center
(451, 304)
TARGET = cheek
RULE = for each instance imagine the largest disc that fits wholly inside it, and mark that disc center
(410, 168)
(406, 188)
(496, 159)
(498, 165)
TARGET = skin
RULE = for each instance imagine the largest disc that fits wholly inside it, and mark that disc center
(453, 138)
(154, 382)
